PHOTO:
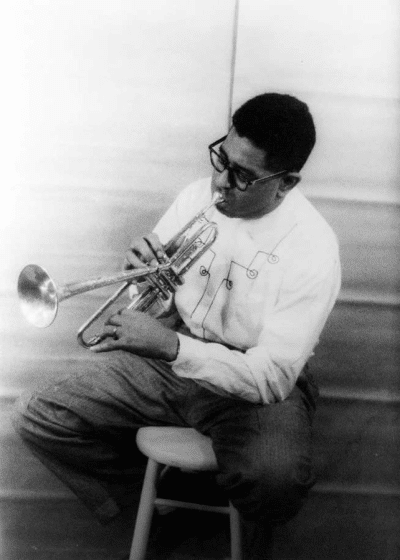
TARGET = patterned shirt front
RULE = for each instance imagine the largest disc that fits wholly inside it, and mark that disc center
(255, 303)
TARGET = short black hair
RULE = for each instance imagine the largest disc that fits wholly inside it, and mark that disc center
(279, 124)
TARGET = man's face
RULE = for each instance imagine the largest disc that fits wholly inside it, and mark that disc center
(258, 199)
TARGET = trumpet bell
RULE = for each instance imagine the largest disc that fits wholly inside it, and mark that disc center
(37, 295)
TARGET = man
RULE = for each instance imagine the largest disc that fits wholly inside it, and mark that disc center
(234, 366)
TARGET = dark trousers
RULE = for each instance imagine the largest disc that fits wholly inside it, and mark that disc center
(83, 429)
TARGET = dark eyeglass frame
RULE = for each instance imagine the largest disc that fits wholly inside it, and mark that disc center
(232, 173)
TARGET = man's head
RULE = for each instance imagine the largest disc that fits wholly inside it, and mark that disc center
(270, 133)
(281, 125)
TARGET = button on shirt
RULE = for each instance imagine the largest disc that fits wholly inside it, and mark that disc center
(255, 303)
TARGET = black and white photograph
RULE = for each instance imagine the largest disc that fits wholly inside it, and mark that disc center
(200, 280)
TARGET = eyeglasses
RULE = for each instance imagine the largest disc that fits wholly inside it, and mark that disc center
(237, 178)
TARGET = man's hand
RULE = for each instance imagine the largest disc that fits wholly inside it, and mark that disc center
(140, 334)
(145, 250)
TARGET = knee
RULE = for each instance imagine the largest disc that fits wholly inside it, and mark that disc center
(279, 490)
(285, 481)
(23, 413)
(32, 418)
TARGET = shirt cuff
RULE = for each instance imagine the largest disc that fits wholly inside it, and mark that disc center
(190, 351)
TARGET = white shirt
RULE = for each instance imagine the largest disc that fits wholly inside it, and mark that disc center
(256, 302)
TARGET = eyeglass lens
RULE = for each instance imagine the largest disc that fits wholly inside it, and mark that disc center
(220, 164)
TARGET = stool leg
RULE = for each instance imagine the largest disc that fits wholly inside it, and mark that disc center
(145, 511)
(236, 533)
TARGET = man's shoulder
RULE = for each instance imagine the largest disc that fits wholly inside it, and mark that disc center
(307, 212)
(197, 189)
(312, 227)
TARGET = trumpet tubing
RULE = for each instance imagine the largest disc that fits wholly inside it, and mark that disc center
(40, 296)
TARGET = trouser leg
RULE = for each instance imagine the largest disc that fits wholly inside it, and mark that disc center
(83, 427)
(264, 457)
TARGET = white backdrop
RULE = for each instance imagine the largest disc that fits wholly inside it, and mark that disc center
(342, 57)
(111, 107)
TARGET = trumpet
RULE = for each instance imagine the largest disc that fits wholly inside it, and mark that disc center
(40, 296)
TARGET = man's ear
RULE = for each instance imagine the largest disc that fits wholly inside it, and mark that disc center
(287, 182)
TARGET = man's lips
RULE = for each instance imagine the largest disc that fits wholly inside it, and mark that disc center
(224, 198)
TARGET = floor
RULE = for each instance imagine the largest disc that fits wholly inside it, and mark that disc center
(330, 527)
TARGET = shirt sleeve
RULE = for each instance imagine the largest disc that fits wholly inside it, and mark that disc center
(267, 372)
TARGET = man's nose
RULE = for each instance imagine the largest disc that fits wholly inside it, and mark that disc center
(222, 179)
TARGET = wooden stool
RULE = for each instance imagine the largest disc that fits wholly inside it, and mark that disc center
(184, 448)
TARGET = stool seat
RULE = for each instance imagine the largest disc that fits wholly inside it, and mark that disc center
(184, 448)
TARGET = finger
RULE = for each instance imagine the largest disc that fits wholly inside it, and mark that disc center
(156, 246)
(141, 253)
(132, 261)
(143, 249)
(114, 320)
(110, 331)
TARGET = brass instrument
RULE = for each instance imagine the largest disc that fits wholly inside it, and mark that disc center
(40, 296)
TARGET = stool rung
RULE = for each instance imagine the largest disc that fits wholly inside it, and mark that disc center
(189, 505)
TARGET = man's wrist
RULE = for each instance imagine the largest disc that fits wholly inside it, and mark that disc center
(173, 349)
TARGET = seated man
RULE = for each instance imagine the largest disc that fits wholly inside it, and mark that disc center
(234, 367)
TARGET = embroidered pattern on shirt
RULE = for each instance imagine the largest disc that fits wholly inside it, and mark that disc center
(251, 271)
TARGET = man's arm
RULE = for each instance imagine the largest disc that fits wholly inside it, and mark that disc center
(267, 372)
(138, 332)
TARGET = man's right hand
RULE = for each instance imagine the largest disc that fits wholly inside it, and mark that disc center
(147, 250)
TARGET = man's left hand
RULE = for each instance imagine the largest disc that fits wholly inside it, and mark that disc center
(140, 334)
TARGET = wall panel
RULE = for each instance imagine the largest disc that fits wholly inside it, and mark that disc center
(112, 109)
(114, 99)
(342, 58)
